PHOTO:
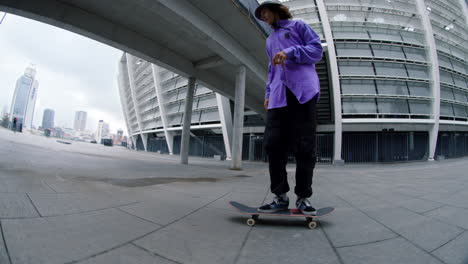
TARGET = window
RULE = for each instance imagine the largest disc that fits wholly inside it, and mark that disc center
(388, 51)
(415, 54)
(359, 106)
(446, 93)
(460, 110)
(350, 35)
(356, 68)
(459, 81)
(390, 69)
(392, 106)
(446, 109)
(353, 50)
(460, 96)
(419, 107)
(413, 38)
(391, 36)
(446, 77)
(392, 87)
(358, 87)
(418, 72)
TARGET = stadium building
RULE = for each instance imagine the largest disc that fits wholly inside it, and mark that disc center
(393, 78)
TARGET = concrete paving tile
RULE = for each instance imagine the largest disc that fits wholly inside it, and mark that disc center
(425, 232)
(16, 205)
(451, 215)
(71, 203)
(3, 251)
(429, 234)
(248, 198)
(286, 240)
(360, 200)
(166, 209)
(459, 199)
(395, 217)
(24, 185)
(419, 205)
(454, 252)
(390, 251)
(207, 236)
(65, 185)
(128, 254)
(63, 239)
(347, 227)
(196, 190)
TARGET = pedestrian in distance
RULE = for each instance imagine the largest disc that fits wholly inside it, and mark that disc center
(291, 95)
(15, 123)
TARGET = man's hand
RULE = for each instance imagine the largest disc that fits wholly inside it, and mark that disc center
(266, 103)
(279, 58)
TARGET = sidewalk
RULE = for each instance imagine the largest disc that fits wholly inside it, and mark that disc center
(87, 203)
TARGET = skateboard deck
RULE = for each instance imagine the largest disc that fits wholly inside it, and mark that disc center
(311, 219)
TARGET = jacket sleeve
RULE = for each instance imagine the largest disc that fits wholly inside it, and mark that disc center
(270, 72)
(267, 88)
(311, 51)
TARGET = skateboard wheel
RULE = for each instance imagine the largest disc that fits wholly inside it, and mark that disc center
(251, 222)
(312, 224)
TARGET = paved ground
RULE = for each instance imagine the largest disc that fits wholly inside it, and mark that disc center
(85, 203)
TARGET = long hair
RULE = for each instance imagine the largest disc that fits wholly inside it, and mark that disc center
(282, 11)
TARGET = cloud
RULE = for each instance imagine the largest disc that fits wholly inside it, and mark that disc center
(74, 73)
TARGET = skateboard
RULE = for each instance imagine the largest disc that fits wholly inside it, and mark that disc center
(312, 221)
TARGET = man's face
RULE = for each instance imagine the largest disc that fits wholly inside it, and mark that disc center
(267, 16)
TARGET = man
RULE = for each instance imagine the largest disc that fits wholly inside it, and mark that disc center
(291, 95)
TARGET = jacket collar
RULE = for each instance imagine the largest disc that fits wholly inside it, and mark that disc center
(281, 24)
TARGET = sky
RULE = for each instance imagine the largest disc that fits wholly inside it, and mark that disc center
(74, 73)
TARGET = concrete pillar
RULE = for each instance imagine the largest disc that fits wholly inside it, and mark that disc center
(432, 58)
(122, 92)
(224, 109)
(131, 79)
(335, 82)
(162, 108)
(134, 141)
(238, 127)
(185, 141)
(144, 138)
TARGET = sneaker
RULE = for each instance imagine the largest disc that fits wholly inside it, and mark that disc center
(278, 204)
(304, 205)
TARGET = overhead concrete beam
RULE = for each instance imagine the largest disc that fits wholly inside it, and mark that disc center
(91, 25)
(221, 42)
(107, 29)
(209, 63)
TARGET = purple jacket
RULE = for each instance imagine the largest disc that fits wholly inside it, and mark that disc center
(303, 48)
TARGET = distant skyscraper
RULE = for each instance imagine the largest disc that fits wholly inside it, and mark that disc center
(80, 121)
(48, 119)
(24, 98)
(102, 131)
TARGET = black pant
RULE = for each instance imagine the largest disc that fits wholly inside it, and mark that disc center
(292, 128)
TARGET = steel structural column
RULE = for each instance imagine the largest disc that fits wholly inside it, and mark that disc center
(122, 87)
(134, 142)
(131, 79)
(224, 109)
(431, 53)
(185, 141)
(238, 129)
(335, 82)
(162, 108)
